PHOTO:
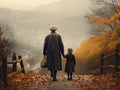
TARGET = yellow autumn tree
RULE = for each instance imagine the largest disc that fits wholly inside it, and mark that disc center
(91, 49)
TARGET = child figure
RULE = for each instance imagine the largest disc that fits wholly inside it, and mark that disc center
(70, 63)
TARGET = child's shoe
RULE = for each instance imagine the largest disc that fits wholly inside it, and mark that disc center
(70, 78)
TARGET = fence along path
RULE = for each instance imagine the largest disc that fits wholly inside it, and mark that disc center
(104, 58)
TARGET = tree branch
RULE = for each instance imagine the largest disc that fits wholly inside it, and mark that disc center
(114, 5)
(110, 26)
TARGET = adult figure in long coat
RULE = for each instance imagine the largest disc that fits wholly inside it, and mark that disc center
(53, 49)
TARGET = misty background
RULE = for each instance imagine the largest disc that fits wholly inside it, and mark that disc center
(30, 24)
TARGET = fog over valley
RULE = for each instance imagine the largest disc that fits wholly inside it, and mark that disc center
(31, 26)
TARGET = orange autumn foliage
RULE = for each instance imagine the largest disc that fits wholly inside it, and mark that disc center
(103, 21)
(115, 17)
(91, 49)
(97, 19)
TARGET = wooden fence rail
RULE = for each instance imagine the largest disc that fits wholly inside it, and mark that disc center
(20, 61)
(104, 58)
(3, 67)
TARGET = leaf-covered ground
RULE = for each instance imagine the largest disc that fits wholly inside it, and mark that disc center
(32, 81)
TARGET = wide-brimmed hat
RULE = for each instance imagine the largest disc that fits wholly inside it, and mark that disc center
(53, 28)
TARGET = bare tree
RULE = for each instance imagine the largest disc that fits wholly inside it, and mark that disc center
(104, 9)
(4, 39)
(4, 49)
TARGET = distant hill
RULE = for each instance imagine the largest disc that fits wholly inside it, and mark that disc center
(40, 20)
(25, 19)
(66, 7)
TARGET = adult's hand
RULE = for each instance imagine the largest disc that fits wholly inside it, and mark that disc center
(63, 55)
(44, 53)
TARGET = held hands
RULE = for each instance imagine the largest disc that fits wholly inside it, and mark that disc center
(63, 55)
(62, 52)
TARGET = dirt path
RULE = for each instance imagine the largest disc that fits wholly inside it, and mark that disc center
(33, 81)
(59, 85)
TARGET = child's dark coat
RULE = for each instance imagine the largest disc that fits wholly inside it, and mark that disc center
(70, 63)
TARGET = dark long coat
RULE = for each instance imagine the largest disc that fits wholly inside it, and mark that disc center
(70, 63)
(53, 48)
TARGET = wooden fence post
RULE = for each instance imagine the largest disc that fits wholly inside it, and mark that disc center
(0, 68)
(116, 59)
(21, 64)
(101, 64)
(4, 70)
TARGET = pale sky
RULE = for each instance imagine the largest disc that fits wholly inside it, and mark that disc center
(23, 4)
